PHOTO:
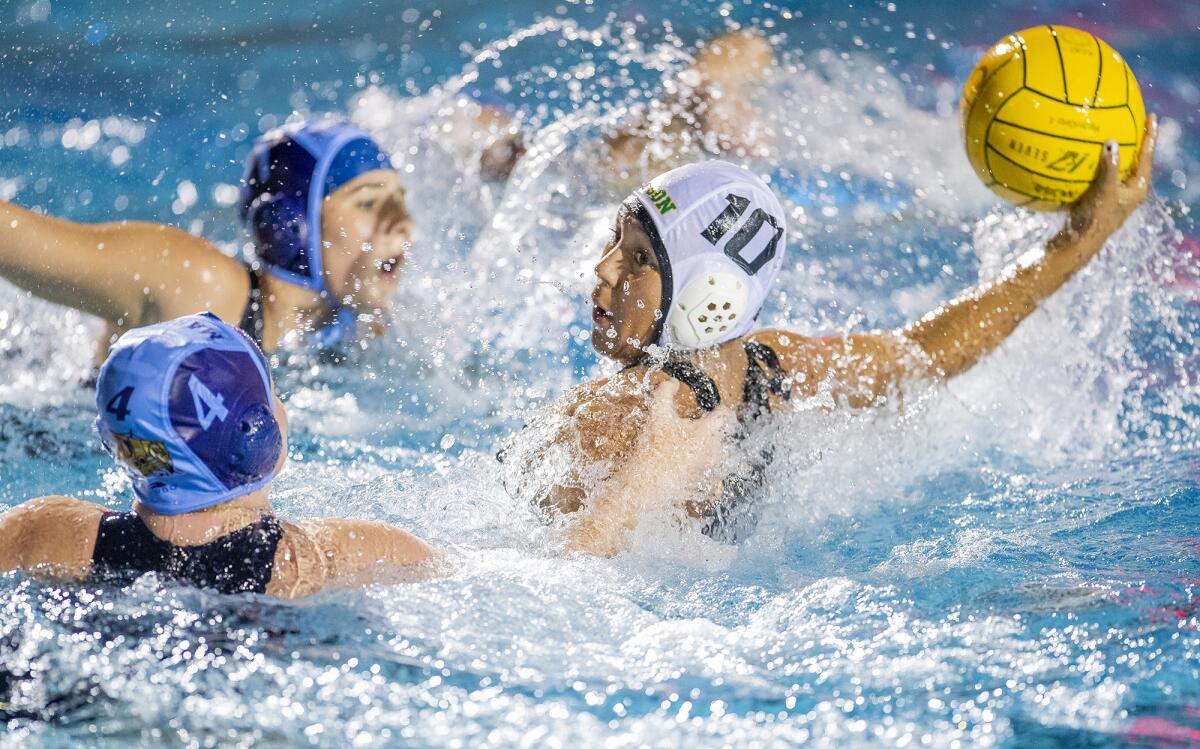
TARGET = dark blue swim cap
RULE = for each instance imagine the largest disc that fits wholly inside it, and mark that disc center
(186, 407)
(288, 174)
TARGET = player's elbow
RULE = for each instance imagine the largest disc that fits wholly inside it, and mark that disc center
(22, 529)
(929, 355)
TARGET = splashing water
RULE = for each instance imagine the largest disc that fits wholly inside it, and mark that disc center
(1009, 559)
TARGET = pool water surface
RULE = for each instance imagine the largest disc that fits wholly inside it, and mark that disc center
(1013, 559)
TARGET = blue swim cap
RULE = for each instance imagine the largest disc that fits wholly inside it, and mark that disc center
(186, 408)
(288, 174)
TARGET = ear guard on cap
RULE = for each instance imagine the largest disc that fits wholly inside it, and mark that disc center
(252, 449)
(707, 309)
(255, 447)
(279, 225)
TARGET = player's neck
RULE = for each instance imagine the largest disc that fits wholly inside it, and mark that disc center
(288, 307)
(209, 524)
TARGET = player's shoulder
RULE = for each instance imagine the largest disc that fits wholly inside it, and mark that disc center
(58, 519)
(782, 341)
(219, 283)
(56, 508)
(805, 357)
(612, 390)
(302, 561)
(795, 347)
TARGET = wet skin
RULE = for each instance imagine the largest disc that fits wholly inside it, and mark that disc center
(55, 536)
(608, 423)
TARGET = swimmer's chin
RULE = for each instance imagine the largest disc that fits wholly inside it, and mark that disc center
(603, 345)
(373, 290)
(626, 353)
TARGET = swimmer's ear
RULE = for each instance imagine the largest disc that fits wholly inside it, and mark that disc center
(257, 444)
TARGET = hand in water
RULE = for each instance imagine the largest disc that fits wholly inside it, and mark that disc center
(683, 449)
(1109, 200)
(673, 457)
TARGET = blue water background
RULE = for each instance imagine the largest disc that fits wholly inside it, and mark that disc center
(1012, 562)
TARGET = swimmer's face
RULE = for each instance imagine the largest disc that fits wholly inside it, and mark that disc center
(628, 292)
(365, 234)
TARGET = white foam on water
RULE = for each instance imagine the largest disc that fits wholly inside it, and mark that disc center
(488, 326)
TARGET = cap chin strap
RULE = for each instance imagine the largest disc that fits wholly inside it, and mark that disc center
(639, 212)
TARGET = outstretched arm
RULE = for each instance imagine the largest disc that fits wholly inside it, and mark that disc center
(957, 334)
(127, 273)
(860, 369)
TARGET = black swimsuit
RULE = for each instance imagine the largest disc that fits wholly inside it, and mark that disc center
(240, 562)
(733, 516)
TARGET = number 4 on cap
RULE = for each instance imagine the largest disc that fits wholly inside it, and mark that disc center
(209, 405)
(118, 405)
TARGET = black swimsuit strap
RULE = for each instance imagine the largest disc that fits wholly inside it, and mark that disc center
(707, 395)
(765, 376)
(759, 385)
(252, 316)
(238, 562)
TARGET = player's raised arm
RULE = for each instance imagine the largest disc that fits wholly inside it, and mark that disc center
(958, 333)
(127, 273)
(859, 369)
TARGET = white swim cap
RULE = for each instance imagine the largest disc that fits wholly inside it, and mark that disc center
(720, 235)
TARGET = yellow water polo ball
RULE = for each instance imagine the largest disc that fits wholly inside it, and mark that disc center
(1038, 108)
